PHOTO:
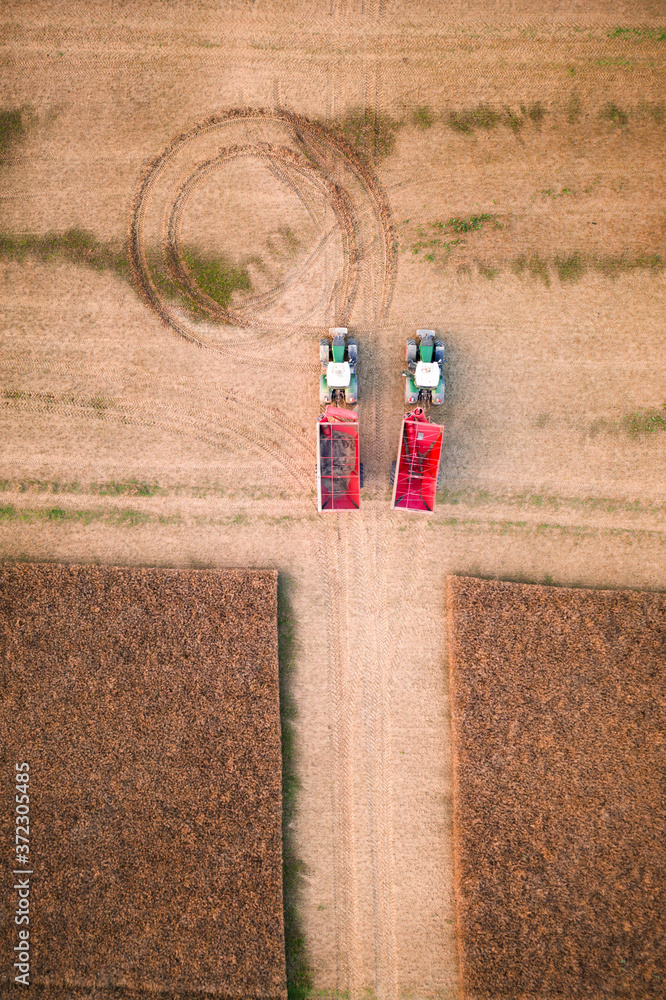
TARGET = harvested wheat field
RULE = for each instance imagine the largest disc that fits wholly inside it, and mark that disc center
(146, 703)
(557, 701)
(188, 204)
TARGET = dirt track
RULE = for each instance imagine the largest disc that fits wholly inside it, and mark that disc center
(166, 453)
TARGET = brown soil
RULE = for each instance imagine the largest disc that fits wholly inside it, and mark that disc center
(145, 702)
(138, 429)
(558, 734)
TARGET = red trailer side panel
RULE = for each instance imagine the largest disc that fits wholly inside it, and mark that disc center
(338, 469)
(415, 484)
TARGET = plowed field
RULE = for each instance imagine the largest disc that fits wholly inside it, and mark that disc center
(188, 203)
(558, 733)
(145, 703)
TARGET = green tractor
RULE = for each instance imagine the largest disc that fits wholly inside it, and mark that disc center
(424, 378)
(338, 383)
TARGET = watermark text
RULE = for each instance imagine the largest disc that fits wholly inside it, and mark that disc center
(23, 872)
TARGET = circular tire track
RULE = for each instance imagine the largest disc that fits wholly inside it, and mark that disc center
(360, 207)
(284, 156)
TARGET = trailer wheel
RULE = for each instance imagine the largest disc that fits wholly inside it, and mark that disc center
(392, 478)
(439, 478)
(361, 476)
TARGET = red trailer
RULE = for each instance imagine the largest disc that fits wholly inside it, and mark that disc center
(417, 466)
(338, 466)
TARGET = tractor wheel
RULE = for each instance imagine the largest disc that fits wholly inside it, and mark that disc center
(392, 477)
(324, 351)
(439, 351)
(352, 350)
(410, 354)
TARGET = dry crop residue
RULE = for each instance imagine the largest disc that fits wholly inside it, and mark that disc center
(154, 750)
(558, 734)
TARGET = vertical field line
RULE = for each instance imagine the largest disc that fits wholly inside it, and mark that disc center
(331, 544)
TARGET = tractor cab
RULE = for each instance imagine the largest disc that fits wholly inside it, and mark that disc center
(338, 355)
(424, 377)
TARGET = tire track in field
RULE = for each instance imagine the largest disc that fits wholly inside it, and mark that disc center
(316, 148)
(260, 409)
(369, 539)
(284, 177)
(333, 548)
(336, 554)
(189, 422)
(379, 532)
(383, 544)
(333, 554)
(373, 548)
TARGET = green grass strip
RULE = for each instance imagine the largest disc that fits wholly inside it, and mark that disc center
(371, 132)
(76, 246)
(479, 498)
(123, 518)
(214, 274)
